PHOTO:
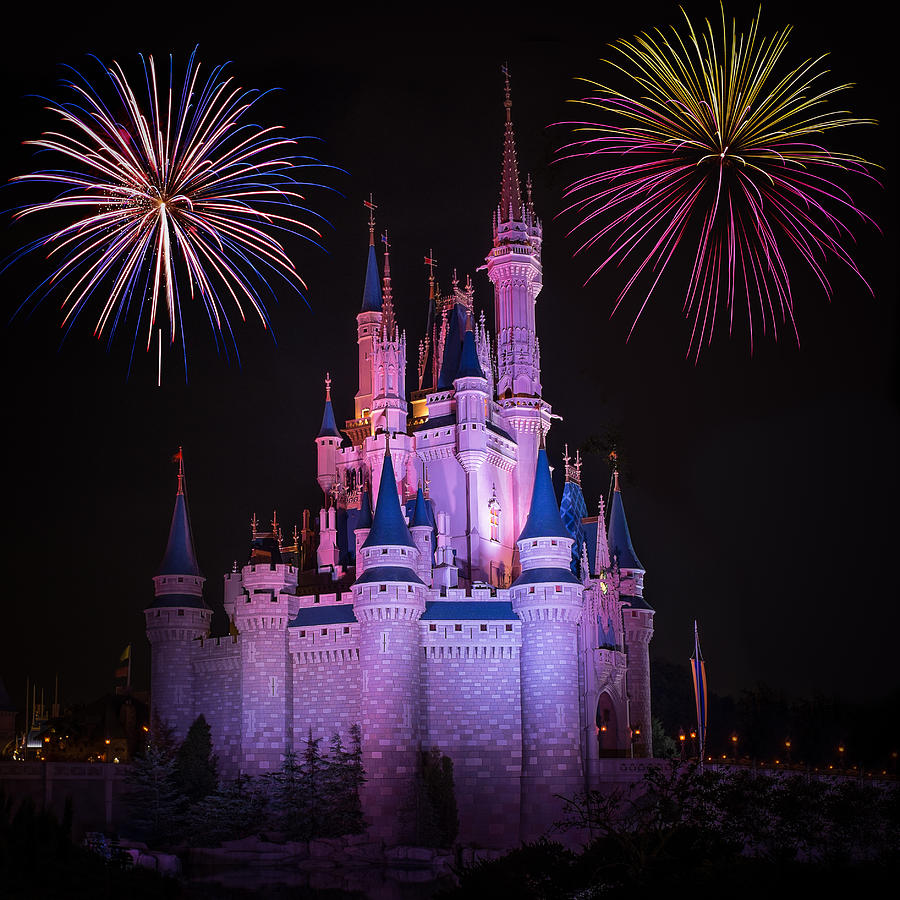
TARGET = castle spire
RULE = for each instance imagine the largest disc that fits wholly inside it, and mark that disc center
(388, 322)
(619, 536)
(180, 558)
(601, 558)
(543, 517)
(388, 525)
(329, 426)
(372, 289)
(510, 186)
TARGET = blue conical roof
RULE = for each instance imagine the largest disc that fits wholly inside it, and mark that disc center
(452, 352)
(388, 526)
(543, 517)
(371, 301)
(179, 558)
(420, 513)
(572, 509)
(469, 366)
(365, 511)
(618, 535)
(329, 426)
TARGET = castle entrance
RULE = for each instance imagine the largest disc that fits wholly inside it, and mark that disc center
(607, 728)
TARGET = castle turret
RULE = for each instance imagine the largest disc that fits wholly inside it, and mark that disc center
(472, 400)
(175, 619)
(388, 600)
(514, 268)
(368, 325)
(422, 531)
(328, 443)
(547, 597)
(638, 619)
(263, 604)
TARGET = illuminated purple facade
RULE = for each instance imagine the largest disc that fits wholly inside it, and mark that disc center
(447, 599)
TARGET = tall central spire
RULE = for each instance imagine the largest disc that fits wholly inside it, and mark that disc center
(510, 186)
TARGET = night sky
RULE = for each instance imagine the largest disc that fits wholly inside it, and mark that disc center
(761, 492)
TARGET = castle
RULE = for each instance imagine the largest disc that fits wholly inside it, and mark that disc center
(447, 599)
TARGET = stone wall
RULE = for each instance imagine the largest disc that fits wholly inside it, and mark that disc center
(217, 686)
(471, 712)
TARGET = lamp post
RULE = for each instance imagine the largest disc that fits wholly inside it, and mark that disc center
(734, 748)
(787, 748)
(682, 737)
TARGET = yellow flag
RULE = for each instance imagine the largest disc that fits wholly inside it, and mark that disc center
(126, 654)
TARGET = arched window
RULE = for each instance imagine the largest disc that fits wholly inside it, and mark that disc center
(494, 514)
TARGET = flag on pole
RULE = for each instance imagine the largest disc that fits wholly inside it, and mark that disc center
(124, 671)
(698, 674)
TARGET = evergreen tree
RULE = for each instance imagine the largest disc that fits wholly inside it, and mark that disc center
(236, 810)
(342, 779)
(195, 771)
(312, 790)
(286, 803)
(153, 798)
(437, 815)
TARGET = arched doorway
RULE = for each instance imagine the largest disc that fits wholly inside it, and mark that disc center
(607, 727)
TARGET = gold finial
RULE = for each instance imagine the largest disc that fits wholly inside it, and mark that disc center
(328, 386)
(179, 458)
(371, 207)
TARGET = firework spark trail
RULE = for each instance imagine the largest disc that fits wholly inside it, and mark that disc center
(182, 187)
(715, 148)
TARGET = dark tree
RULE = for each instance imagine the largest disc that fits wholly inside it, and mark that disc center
(196, 768)
(437, 815)
(343, 776)
(153, 799)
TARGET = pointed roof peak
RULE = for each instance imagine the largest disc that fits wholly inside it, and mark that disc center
(619, 537)
(389, 528)
(371, 301)
(365, 511)
(420, 513)
(328, 427)
(510, 186)
(544, 519)
(179, 557)
(469, 366)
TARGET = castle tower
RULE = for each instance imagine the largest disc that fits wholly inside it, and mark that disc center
(422, 531)
(547, 597)
(262, 607)
(175, 619)
(368, 324)
(328, 443)
(638, 623)
(389, 407)
(388, 600)
(472, 399)
(514, 268)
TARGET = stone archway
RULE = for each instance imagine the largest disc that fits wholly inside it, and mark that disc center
(607, 727)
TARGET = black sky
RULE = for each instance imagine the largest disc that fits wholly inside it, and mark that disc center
(761, 492)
